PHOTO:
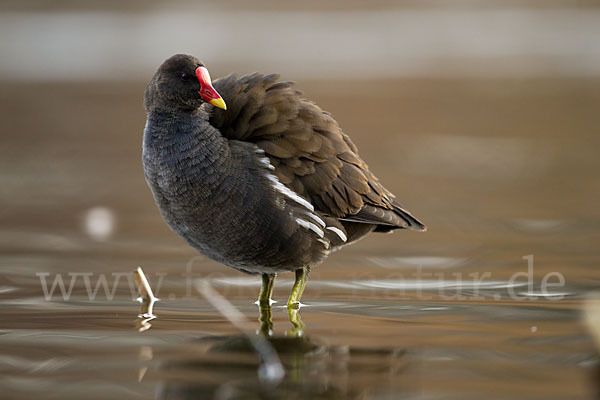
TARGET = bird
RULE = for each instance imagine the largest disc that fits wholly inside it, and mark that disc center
(255, 176)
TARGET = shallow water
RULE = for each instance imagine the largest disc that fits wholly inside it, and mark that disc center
(498, 169)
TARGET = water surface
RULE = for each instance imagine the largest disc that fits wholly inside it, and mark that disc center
(498, 169)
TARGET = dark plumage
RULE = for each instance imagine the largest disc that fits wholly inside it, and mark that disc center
(270, 184)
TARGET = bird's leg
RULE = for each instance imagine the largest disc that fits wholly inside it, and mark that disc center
(264, 298)
(298, 288)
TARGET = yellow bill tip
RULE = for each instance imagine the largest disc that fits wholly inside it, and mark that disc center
(219, 103)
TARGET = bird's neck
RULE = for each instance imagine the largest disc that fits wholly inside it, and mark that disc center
(169, 121)
(183, 145)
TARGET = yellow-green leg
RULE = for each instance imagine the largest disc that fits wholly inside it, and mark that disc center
(266, 291)
(298, 288)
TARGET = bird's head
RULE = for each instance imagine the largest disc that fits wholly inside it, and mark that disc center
(182, 82)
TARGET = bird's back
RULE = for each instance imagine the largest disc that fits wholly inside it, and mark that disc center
(310, 154)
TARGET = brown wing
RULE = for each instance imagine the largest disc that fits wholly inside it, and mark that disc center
(309, 151)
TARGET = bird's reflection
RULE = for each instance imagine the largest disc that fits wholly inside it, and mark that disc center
(224, 367)
(296, 321)
(266, 321)
(294, 365)
(265, 317)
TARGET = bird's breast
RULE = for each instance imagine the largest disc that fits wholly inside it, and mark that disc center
(231, 207)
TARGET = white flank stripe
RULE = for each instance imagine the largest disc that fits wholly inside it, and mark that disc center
(266, 162)
(303, 223)
(291, 194)
(338, 232)
(317, 219)
(316, 229)
(324, 242)
(311, 226)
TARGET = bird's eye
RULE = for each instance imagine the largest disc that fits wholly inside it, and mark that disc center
(185, 77)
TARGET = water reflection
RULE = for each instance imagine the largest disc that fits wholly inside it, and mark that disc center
(314, 370)
(266, 321)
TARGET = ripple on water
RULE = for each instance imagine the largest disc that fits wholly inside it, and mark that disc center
(541, 225)
(428, 262)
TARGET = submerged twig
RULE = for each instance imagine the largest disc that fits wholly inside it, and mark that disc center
(271, 370)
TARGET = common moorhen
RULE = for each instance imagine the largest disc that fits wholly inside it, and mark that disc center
(266, 184)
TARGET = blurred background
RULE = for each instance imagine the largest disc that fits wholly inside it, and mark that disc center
(482, 117)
